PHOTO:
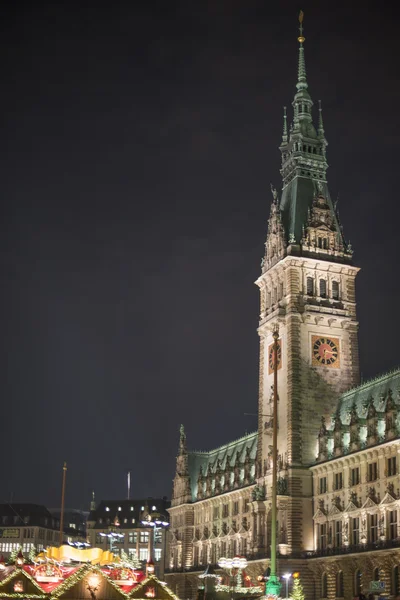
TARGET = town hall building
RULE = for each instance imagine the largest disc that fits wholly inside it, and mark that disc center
(338, 441)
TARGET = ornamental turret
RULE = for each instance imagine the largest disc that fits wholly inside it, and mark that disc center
(181, 492)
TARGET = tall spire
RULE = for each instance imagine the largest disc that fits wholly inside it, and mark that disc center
(93, 502)
(302, 76)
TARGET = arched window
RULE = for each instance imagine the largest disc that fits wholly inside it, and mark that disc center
(375, 576)
(324, 585)
(310, 286)
(335, 290)
(395, 588)
(322, 288)
(339, 585)
(357, 583)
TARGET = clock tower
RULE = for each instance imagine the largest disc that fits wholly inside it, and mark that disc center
(307, 288)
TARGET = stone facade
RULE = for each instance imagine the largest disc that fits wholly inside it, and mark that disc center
(221, 499)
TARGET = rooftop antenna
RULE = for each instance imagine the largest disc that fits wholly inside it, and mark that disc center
(129, 484)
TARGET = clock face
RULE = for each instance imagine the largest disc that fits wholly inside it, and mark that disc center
(325, 351)
(271, 357)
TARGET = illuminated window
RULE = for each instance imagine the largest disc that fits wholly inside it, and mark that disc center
(144, 537)
(107, 509)
(132, 508)
(143, 553)
(18, 585)
(154, 507)
(142, 508)
(119, 508)
(133, 520)
(373, 528)
(125, 520)
(157, 554)
(132, 537)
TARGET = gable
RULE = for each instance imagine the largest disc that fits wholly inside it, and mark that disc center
(334, 511)
(350, 507)
(89, 583)
(20, 582)
(369, 503)
(151, 587)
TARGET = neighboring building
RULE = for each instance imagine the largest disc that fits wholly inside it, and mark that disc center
(347, 503)
(128, 518)
(25, 526)
(74, 523)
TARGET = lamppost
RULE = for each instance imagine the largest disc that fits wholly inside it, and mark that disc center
(273, 585)
(113, 536)
(287, 576)
(156, 524)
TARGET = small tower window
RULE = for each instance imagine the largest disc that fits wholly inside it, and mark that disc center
(335, 290)
(322, 288)
(310, 286)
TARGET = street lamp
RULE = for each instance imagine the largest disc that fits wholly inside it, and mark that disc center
(156, 524)
(287, 576)
(113, 536)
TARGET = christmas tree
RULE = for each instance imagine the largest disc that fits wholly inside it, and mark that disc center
(13, 556)
(131, 561)
(32, 553)
(297, 591)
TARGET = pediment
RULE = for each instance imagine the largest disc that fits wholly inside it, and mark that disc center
(350, 507)
(387, 499)
(369, 503)
(334, 511)
(319, 514)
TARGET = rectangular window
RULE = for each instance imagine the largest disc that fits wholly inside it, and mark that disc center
(322, 485)
(392, 524)
(322, 536)
(310, 286)
(335, 290)
(236, 508)
(225, 510)
(355, 476)
(391, 466)
(216, 512)
(355, 531)
(132, 537)
(373, 528)
(373, 471)
(338, 534)
(132, 552)
(338, 481)
(322, 288)
(144, 537)
(143, 553)
(157, 554)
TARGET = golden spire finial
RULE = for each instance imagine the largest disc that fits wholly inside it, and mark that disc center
(301, 37)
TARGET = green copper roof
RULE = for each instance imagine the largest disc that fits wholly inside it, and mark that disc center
(375, 391)
(228, 451)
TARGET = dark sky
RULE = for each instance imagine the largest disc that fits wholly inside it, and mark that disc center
(139, 141)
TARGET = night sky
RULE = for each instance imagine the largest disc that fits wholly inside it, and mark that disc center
(139, 141)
